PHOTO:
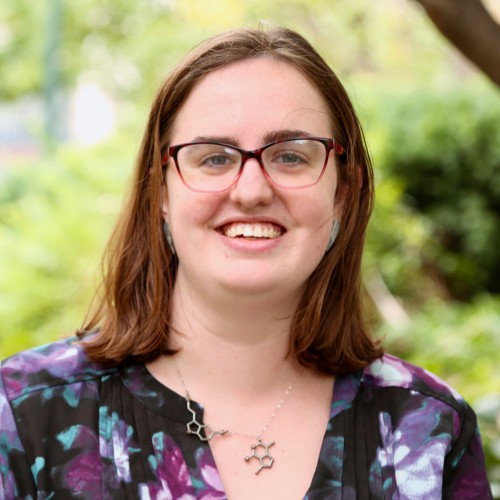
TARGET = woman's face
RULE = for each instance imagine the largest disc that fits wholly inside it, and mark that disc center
(246, 103)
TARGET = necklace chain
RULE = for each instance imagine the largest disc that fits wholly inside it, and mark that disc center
(205, 433)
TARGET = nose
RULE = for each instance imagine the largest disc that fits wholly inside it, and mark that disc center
(252, 187)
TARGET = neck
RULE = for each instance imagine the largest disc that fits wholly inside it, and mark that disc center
(237, 344)
(244, 319)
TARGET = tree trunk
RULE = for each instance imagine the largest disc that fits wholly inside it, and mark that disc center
(469, 26)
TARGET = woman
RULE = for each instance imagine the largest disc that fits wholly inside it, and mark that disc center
(233, 282)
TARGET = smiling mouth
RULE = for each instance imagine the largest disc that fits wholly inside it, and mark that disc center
(257, 230)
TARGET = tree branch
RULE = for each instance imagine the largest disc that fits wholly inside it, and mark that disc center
(469, 26)
(391, 311)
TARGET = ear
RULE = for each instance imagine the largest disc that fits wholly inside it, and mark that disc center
(339, 202)
(164, 203)
(342, 193)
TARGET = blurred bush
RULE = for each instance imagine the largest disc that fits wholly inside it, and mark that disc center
(54, 221)
(438, 161)
(445, 149)
(432, 267)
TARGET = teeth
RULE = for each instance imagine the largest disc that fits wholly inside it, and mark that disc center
(252, 230)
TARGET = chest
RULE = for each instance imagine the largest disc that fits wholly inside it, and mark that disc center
(112, 444)
(280, 466)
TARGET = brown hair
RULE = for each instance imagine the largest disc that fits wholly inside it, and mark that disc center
(132, 314)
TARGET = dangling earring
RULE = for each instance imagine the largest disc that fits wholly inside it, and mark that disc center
(333, 235)
(168, 236)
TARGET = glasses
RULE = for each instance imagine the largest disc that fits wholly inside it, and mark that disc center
(210, 167)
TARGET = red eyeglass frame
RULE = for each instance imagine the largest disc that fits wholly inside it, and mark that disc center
(330, 145)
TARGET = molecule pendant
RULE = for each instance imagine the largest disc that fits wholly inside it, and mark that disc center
(260, 451)
(203, 431)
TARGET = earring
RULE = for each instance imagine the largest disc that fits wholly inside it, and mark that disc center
(168, 236)
(333, 235)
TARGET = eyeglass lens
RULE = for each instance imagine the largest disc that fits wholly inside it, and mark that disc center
(211, 166)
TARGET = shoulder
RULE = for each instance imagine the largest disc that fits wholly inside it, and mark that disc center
(60, 363)
(392, 372)
(425, 429)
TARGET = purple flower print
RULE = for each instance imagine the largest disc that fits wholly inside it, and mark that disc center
(9, 440)
(416, 448)
(60, 360)
(390, 371)
(172, 476)
(116, 444)
(82, 474)
(212, 485)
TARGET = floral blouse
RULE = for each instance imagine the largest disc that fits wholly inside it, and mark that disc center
(72, 429)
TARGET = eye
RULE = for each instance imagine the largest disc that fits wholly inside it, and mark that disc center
(208, 156)
(288, 158)
(296, 154)
(217, 160)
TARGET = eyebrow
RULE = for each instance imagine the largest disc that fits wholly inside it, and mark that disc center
(273, 136)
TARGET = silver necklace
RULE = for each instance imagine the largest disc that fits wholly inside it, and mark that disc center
(259, 449)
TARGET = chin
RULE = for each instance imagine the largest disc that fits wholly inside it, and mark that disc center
(255, 288)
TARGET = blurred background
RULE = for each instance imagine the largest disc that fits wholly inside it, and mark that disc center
(77, 80)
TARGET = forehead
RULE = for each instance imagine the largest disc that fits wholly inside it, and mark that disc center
(250, 97)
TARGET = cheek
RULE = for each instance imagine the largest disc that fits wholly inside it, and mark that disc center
(323, 212)
(321, 205)
(188, 210)
(316, 215)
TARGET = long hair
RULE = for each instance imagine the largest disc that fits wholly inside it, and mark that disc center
(131, 313)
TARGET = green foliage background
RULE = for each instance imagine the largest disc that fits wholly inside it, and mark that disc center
(432, 123)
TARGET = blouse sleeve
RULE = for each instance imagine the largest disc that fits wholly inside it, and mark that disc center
(14, 466)
(465, 469)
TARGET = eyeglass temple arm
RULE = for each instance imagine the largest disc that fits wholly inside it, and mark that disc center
(338, 149)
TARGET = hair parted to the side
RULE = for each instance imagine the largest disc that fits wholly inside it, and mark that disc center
(131, 313)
